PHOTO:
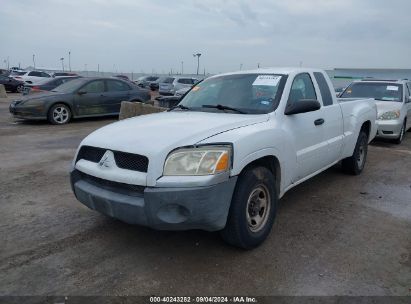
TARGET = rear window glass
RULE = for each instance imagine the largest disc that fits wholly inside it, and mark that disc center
(168, 80)
(384, 91)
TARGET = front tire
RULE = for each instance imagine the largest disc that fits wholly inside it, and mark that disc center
(402, 133)
(253, 209)
(355, 163)
(19, 88)
(59, 114)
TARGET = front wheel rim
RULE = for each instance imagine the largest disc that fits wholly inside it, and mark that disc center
(402, 132)
(60, 115)
(19, 89)
(258, 208)
(362, 151)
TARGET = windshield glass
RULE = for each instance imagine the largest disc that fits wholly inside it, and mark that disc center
(250, 93)
(380, 91)
(69, 86)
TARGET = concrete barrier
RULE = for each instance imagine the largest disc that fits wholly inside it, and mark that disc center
(131, 109)
(3, 93)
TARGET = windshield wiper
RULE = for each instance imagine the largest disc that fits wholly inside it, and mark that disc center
(180, 106)
(221, 107)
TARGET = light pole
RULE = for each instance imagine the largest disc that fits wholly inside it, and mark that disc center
(62, 63)
(70, 61)
(182, 67)
(198, 60)
(34, 61)
(241, 66)
(85, 68)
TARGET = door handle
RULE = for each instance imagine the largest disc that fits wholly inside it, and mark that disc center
(319, 121)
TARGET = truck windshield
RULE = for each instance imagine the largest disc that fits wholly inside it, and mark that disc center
(384, 91)
(244, 93)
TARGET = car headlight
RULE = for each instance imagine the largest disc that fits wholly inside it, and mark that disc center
(204, 160)
(389, 115)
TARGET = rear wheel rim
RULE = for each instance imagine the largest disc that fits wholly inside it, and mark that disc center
(20, 88)
(258, 208)
(60, 114)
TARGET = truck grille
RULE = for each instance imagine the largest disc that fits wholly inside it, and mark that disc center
(123, 160)
(122, 188)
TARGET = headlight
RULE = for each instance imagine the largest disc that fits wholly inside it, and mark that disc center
(205, 160)
(390, 115)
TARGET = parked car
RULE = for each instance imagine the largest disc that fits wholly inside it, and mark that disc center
(82, 97)
(46, 84)
(31, 76)
(169, 85)
(11, 84)
(146, 81)
(225, 155)
(393, 100)
(63, 74)
(16, 73)
(124, 77)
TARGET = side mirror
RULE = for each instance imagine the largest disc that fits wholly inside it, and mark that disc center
(302, 106)
(81, 92)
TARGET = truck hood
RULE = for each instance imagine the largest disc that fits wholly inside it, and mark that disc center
(387, 106)
(162, 132)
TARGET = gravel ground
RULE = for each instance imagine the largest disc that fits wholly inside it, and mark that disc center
(334, 234)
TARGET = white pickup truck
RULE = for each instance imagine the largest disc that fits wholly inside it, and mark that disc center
(225, 155)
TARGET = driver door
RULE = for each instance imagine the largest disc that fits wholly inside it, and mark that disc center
(89, 99)
(306, 130)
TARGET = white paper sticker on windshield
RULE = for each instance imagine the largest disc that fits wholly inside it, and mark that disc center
(392, 88)
(266, 80)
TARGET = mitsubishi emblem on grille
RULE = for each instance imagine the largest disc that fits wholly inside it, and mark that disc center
(107, 160)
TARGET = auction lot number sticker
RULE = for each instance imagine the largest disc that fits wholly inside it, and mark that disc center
(239, 299)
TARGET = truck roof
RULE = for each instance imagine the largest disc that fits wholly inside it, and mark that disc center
(273, 70)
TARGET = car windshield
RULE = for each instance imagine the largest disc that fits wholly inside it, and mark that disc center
(384, 91)
(248, 93)
(69, 86)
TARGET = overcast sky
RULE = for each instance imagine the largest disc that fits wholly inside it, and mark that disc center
(146, 35)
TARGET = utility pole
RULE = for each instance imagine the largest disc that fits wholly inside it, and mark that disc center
(34, 61)
(198, 61)
(62, 63)
(182, 67)
(241, 66)
(8, 63)
(85, 68)
(258, 65)
(98, 68)
(70, 61)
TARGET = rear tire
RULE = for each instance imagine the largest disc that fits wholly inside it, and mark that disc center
(402, 134)
(253, 209)
(59, 114)
(355, 163)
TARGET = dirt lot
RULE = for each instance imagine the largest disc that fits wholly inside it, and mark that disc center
(334, 235)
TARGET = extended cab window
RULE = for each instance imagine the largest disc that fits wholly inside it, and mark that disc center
(324, 89)
(384, 91)
(302, 88)
(96, 86)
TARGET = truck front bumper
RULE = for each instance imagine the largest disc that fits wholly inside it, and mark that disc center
(389, 128)
(164, 208)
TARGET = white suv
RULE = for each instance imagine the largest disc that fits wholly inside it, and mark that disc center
(32, 76)
(169, 85)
